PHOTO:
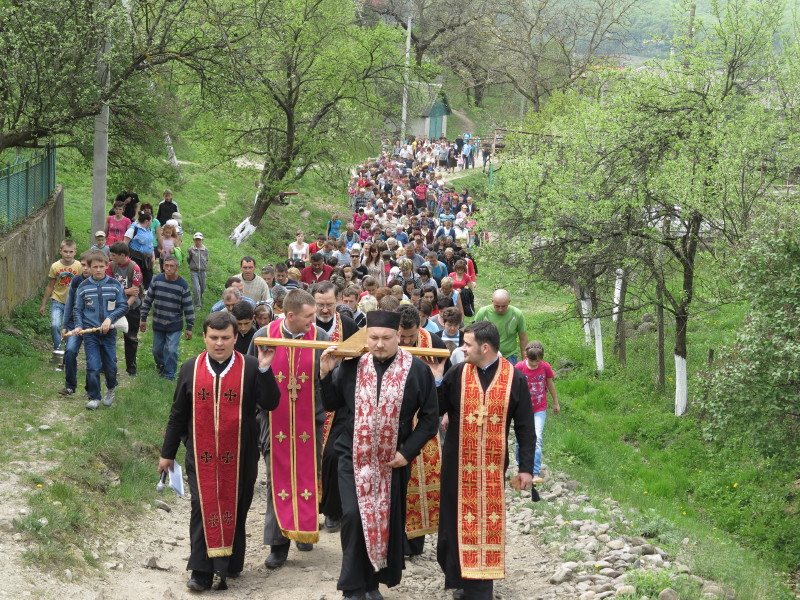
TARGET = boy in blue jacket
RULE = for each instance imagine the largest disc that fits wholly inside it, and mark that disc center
(99, 302)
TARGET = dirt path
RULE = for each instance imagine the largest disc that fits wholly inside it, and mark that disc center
(163, 536)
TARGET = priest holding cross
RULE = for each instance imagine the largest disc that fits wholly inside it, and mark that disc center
(381, 394)
(481, 397)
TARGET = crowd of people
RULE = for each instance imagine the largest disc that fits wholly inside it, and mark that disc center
(388, 447)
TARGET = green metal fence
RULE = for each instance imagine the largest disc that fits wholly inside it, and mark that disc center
(25, 186)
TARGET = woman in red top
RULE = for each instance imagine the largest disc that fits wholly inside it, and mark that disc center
(460, 277)
(117, 224)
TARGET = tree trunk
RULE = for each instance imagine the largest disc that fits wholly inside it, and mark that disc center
(479, 92)
(585, 309)
(681, 384)
(620, 341)
(598, 344)
(617, 293)
(661, 369)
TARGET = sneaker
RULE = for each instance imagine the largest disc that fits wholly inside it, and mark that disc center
(67, 391)
(93, 404)
(537, 479)
(108, 397)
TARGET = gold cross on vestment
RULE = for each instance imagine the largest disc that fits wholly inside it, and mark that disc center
(283, 495)
(481, 413)
(304, 437)
(469, 518)
(303, 377)
(306, 494)
(494, 517)
(280, 377)
(293, 388)
(281, 436)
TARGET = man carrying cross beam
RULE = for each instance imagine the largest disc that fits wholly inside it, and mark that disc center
(381, 394)
(480, 397)
(291, 435)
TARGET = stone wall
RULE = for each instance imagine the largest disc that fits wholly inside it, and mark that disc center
(27, 253)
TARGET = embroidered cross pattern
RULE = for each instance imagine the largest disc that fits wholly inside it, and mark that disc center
(293, 388)
(281, 436)
(227, 458)
(306, 494)
(304, 437)
(280, 377)
(230, 395)
(206, 456)
(481, 414)
(283, 495)
(227, 517)
(303, 377)
(494, 517)
(213, 520)
(203, 394)
(469, 518)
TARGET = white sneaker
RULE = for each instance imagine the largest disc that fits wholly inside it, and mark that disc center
(92, 404)
(537, 479)
(108, 397)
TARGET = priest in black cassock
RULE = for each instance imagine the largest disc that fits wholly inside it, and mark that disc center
(213, 413)
(382, 391)
(339, 328)
(479, 398)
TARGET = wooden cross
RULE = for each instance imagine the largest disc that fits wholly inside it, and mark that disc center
(481, 413)
(203, 394)
(293, 388)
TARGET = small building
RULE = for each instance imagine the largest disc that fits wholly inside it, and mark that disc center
(431, 121)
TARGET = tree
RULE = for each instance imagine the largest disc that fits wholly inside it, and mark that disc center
(549, 45)
(49, 59)
(672, 159)
(435, 24)
(301, 85)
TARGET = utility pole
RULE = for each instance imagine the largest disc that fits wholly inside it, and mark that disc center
(404, 118)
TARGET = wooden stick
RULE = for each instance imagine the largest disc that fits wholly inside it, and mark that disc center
(92, 330)
(347, 352)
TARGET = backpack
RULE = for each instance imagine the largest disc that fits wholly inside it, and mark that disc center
(178, 254)
(468, 302)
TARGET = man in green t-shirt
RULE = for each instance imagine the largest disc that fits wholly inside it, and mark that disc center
(510, 322)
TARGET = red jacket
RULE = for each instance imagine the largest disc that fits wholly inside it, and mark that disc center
(307, 275)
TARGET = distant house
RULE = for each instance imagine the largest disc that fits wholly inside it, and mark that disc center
(431, 120)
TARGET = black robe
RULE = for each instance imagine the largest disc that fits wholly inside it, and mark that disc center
(259, 390)
(330, 504)
(519, 410)
(358, 575)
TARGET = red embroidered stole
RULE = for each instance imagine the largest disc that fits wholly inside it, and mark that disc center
(216, 438)
(375, 429)
(293, 440)
(336, 336)
(481, 479)
(422, 501)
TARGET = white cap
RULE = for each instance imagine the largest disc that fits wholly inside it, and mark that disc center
(198, 236)
(98, 233)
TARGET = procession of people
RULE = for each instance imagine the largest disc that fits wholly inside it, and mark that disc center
(405, 439)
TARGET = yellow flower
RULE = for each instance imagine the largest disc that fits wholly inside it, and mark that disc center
(38, 485)
(684, 513)
(645, 492)
(735, 485)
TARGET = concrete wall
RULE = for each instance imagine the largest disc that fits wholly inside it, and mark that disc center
(27, 253)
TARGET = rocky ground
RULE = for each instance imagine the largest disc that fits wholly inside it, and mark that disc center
(569, 545)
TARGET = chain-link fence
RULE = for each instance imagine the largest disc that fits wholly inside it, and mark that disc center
(25, 186)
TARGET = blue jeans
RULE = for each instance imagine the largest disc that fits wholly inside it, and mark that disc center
(73, 346)
(56, 317)
(512, 359)
(165, 351)
(538, 422)
(101, 353)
